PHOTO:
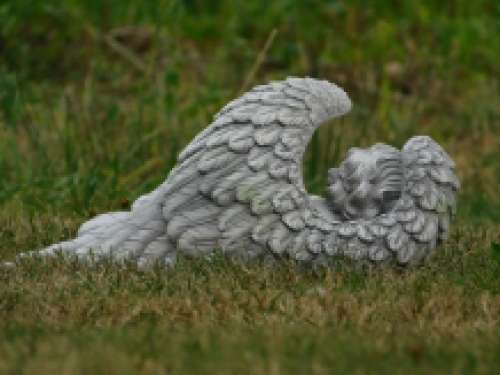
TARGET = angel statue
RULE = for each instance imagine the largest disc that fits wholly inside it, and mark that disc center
(238, 188)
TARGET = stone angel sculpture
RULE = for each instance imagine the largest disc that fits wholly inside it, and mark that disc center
(238, 188)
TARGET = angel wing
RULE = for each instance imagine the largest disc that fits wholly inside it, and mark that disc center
(238, 187)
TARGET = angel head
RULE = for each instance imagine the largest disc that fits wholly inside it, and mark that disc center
(368, 183)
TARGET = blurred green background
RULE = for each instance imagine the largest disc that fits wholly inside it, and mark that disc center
(97, 98)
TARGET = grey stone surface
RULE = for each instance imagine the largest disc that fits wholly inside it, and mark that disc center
(238, 188)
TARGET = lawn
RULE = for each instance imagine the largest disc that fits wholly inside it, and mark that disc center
(98, 98)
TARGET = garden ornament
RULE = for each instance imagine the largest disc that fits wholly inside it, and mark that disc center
(238, 188)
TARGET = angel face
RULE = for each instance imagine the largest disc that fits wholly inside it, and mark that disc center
(367, 184)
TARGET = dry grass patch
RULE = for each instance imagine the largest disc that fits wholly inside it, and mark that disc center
(457, 293)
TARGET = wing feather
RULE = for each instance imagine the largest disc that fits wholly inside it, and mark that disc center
(267, 136)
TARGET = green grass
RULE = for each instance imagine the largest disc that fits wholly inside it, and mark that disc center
(243, 350)
(225, 317)
(92, 116)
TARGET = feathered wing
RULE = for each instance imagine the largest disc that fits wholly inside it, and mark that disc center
(422, 217)
(238, 186)
(120, 235)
